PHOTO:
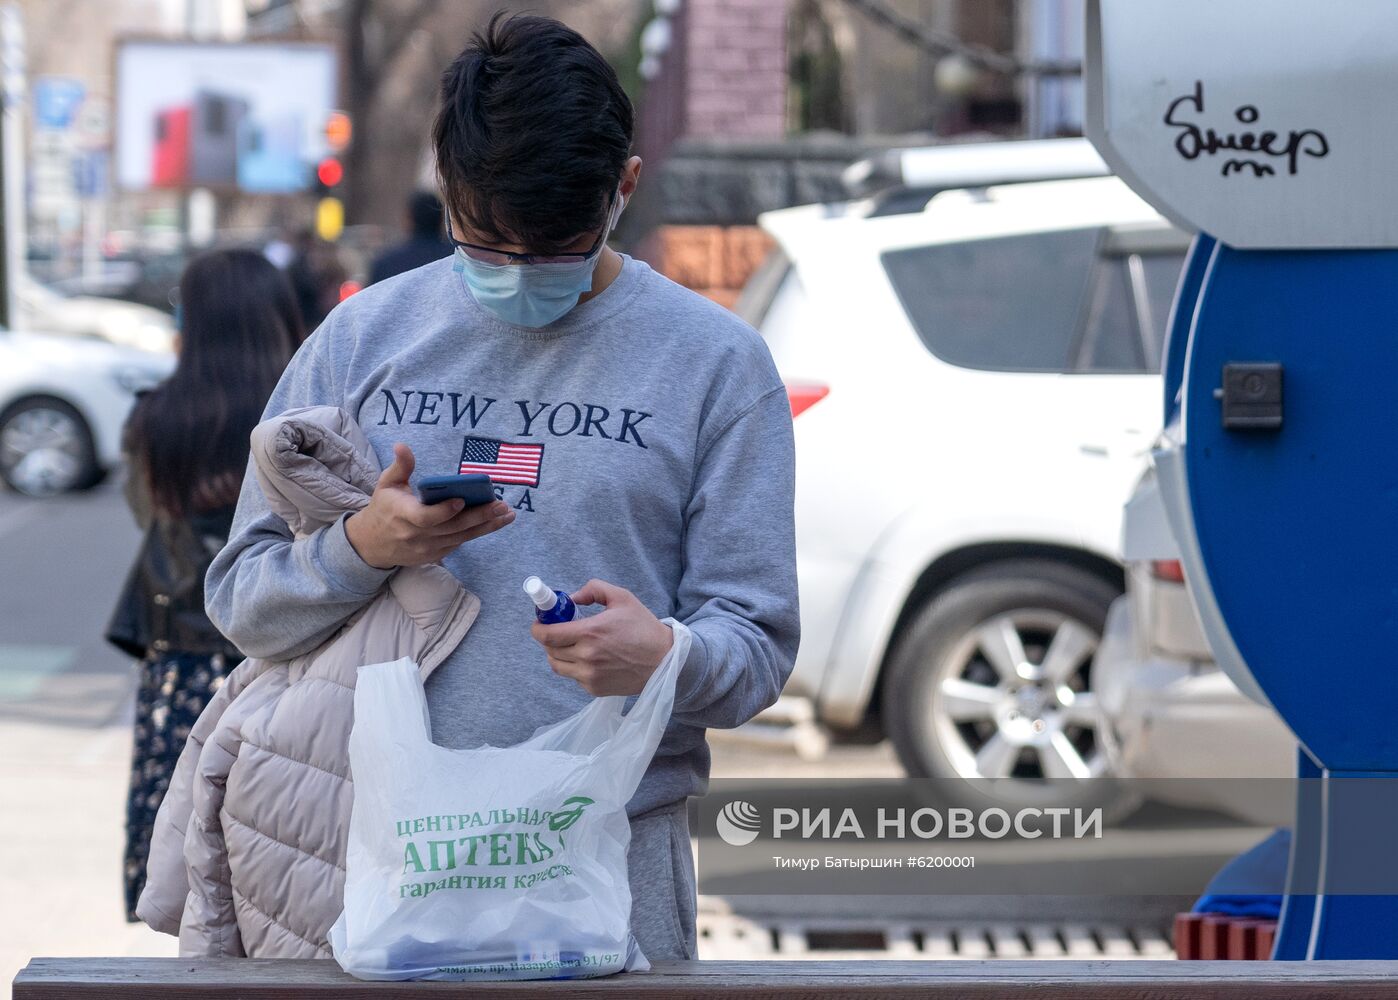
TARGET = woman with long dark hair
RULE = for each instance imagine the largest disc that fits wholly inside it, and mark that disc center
(186, 446)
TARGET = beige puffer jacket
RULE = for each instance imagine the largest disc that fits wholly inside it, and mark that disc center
(248, 852)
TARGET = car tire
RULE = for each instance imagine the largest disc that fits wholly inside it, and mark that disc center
(46, 447)
(984, 731)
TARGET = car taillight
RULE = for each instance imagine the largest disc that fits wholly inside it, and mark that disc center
(804, 395)
(1169, 570)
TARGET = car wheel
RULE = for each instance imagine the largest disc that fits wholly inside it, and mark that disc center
(46, 447)
(989, 690)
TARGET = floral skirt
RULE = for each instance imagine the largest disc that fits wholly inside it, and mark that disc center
(173, 690)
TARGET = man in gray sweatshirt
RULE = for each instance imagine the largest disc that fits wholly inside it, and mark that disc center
(638, 436)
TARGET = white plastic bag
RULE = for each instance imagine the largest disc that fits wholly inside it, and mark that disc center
(493, 863)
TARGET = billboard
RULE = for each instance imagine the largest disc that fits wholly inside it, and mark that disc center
(248, 117)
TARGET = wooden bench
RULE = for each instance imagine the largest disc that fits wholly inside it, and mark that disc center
(263, 979)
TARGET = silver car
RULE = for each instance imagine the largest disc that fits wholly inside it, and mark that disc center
(1168, 711)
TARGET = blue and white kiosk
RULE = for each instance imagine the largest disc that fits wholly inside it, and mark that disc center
(1270, 129)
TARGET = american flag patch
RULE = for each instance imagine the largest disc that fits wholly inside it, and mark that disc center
(501, 461)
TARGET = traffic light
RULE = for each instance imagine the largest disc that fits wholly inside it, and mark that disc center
(337, 131)
(330, 174)
(330, 209)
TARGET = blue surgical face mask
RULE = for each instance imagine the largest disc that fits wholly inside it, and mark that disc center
(533, 295)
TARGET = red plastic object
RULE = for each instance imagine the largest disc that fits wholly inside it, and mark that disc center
(1187, 926)
(1266, 938)
(1242, 940)
(1213, 937)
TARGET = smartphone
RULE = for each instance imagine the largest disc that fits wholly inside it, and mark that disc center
(475, 488)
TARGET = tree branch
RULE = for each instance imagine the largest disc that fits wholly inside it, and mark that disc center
(940, 43)
(396, 37)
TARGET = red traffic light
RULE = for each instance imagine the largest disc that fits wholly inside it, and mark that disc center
(329, 172)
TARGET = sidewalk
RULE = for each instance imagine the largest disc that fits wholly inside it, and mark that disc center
(62, 802)
(65, 737)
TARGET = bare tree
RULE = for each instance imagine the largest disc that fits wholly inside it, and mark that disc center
(395, 51)
(377, 35)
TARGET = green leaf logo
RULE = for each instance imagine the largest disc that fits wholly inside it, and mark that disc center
(564, 818)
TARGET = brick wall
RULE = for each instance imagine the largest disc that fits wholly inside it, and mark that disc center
(715, 261)
(724, 78)
(735, 68)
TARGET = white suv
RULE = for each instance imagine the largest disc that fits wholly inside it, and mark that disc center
(975, 388)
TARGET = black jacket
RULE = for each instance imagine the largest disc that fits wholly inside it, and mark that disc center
(161, 607)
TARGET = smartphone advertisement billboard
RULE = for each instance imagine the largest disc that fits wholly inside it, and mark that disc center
(246, 117)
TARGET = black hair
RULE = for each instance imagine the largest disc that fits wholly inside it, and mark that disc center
(239, 327)
(425, 214)
(532, 136)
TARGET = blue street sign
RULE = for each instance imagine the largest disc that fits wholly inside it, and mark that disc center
(56, 101)
(90, 173)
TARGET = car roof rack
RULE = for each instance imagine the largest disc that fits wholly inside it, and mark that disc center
(901, 181)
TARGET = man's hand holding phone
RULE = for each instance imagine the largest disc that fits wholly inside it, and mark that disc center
(397, 529)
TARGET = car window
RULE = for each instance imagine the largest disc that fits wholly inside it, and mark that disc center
(761, 288)
(787, 319)
(1161, 273)
(1111, 339)
(1129, 306)
(1004, 304)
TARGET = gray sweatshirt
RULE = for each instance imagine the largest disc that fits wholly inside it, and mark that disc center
(643, 439)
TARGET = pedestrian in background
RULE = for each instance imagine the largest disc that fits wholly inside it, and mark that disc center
(186, 445)
(316, 274)
(425, 243)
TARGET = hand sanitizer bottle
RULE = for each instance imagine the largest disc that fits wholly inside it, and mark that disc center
(550, 606)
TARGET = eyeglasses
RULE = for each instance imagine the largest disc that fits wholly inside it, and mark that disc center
(489, 255)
